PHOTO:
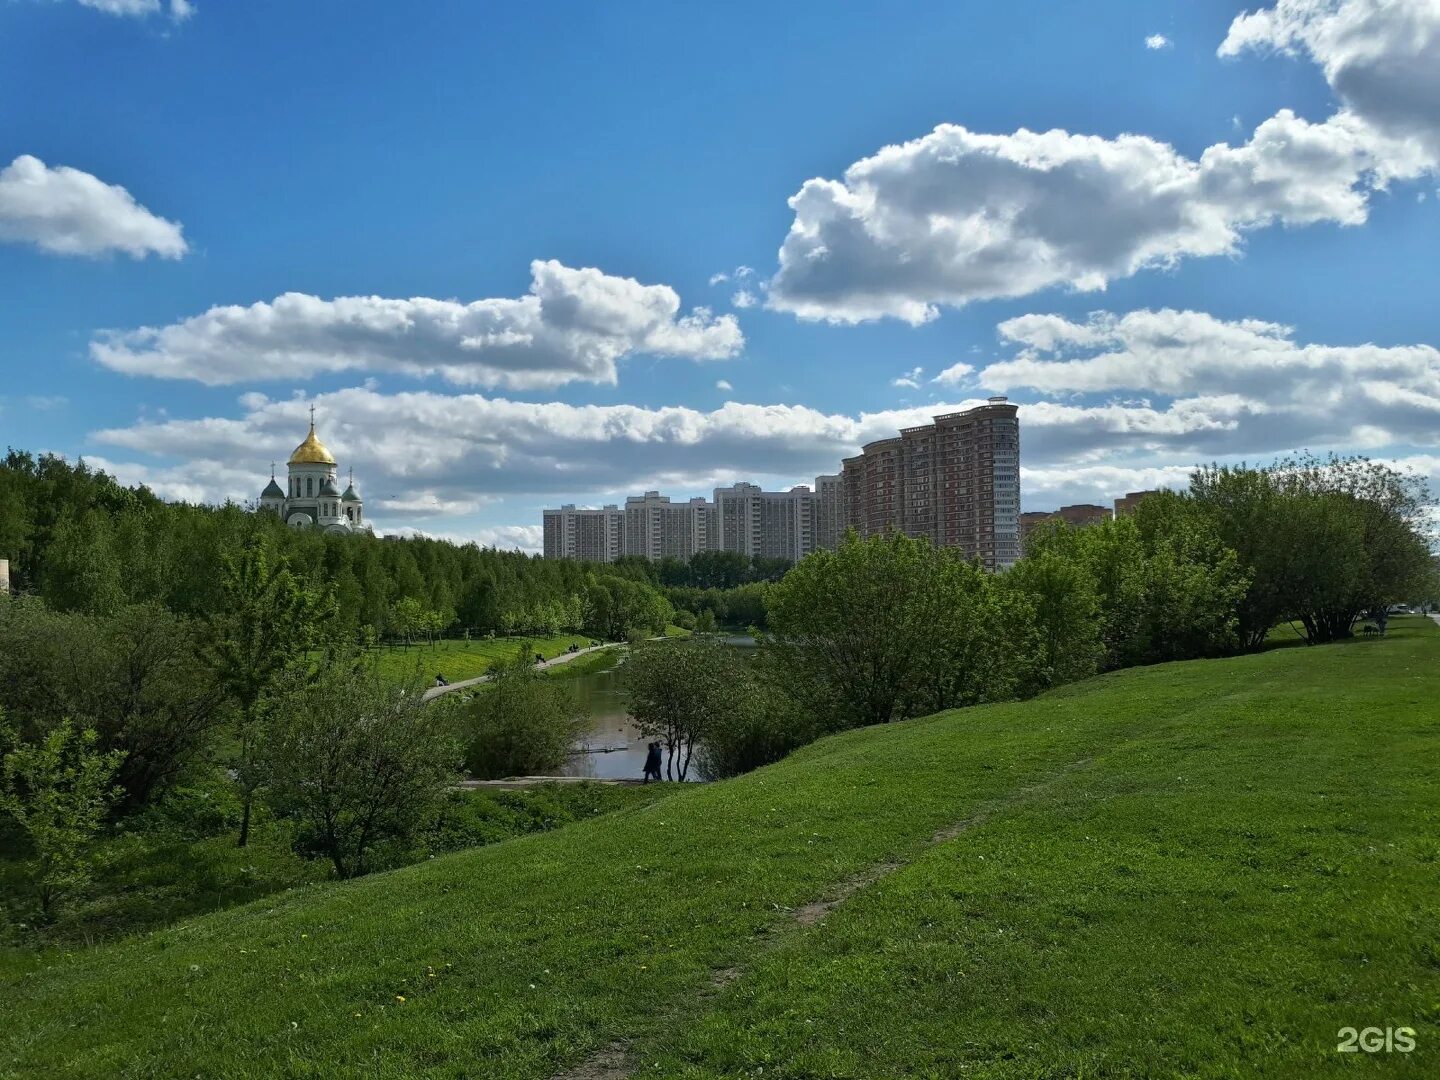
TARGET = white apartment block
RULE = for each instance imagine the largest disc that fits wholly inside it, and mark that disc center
(655, 527)
(590, 535)
(741, 518)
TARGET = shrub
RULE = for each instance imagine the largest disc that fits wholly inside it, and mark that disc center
(58, 790)
(357, 762)
(520, 724)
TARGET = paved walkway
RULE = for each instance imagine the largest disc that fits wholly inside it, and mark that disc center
(563, 658)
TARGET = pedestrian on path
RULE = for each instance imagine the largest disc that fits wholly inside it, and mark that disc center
(652, 763)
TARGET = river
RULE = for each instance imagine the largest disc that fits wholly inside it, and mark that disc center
(610, 747)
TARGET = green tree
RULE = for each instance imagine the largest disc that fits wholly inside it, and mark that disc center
(357, 762)
(1320, 541)
(520, 723)
(136, 678)
(680, 690)
(620, 609)
(980, 637)
(1061, 592)
(58, 790)
(764, 719)
(853, 625)
(259, 640)
(82, 566)
(408, 618)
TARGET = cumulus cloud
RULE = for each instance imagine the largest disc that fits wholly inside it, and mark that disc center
(573, 325)
(1247, 372)
(460, 449)
(1049, 488)
(910, 380)
(723, 384)
(743, 298)
(179, 10)
(1379, 56)
(954, 375)
(958, 216)
(65, 211)
(1158, 41)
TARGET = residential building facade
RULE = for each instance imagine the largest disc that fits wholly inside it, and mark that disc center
(741, 518)
(955, 481)
(587, 534)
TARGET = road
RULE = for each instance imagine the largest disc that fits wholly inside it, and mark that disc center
(563, 658)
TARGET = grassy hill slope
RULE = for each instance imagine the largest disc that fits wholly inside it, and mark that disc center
(1203, 869)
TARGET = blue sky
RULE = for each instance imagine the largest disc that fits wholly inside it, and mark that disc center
(1223, 246)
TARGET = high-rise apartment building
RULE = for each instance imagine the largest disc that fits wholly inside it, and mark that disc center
(655, 527)
(591, 535)
(955, 481)
(829, 511)
(741, 518)
(771, 524)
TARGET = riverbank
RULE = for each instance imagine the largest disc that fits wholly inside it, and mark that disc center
(1204, 868)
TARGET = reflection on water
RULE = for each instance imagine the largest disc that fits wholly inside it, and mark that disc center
(611, 747)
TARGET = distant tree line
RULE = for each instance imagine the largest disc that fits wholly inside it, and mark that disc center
(715, 588)
(890, 627)
(84, 543)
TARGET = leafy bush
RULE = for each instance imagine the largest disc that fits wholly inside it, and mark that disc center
(519, 724)
(766, 724)
(359, 764)
(58, 790)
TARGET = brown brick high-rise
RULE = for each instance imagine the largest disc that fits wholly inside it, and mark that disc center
(956, 481)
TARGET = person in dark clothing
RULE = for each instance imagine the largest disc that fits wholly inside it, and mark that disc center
(440, 680)
(652, 763)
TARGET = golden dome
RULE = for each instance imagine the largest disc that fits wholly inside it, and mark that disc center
(312, 451)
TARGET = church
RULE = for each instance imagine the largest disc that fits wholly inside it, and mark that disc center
(314, 499)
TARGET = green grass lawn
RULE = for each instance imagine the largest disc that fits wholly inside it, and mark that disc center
(1202, 870)
(458, 660)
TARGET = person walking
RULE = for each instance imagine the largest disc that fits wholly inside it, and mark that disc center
(652, 763)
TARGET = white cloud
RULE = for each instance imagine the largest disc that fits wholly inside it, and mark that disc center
(723, 384)
(719, 279)
(573, 325)
(180, 10)
(1379, 56)
(65, 211)
(453, 449)
(1130, 399)
(743, 298)
(910, 380)
(1158, 41)
(957, 216)
(527, 538)
(1050, 488)
(954, 375)
(1277, 392)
